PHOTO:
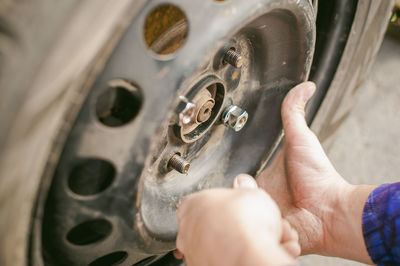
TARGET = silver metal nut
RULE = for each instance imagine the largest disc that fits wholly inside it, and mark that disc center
(235, 117)
(186, 111)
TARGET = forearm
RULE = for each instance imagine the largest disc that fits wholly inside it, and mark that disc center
(343, 233)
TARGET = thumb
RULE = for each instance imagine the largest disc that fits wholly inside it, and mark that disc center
(293, 107)
(244, 181)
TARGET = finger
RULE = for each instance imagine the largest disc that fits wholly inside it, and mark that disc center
(180, 236)
(244, 181)
(293, 108)
(293, 248)
(288, 233)
(290, 239)
(179, 246)
(183, 206)
(178, 255)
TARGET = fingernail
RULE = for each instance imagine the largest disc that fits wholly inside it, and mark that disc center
(308, 92)
(178, 255)
(245, 181)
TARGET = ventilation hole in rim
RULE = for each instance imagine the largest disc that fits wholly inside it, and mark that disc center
(91, 176)
(166, 29)
(119, 104)
(168, 259)
(114, 258)
(89, 232)
(145, 261)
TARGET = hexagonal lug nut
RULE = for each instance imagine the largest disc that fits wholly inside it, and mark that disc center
(234, 117)
(185, 111)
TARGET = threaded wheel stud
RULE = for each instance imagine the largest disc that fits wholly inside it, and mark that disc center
(233, 58)
(179, 164)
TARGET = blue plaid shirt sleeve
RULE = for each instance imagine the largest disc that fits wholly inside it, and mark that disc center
(381, 224)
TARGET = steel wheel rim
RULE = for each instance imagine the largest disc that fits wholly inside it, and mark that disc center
(153, 241)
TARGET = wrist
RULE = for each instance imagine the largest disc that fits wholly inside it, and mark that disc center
(343, 225)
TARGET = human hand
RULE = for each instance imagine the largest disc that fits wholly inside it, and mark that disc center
(241, 226)
(324, 209)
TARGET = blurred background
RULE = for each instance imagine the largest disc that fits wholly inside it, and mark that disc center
(366, 148)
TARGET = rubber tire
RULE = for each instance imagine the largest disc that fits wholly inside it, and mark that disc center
(367, 32)
(48, 61)
(50, 53)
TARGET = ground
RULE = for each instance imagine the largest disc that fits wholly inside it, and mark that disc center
(366, 149)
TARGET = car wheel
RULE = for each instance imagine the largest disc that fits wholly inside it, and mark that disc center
(113, 111)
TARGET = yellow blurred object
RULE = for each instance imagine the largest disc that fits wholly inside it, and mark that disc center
(394, 24)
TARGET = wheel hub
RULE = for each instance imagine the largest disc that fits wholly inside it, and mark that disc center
(155, 113)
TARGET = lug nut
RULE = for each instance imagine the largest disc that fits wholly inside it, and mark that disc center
(234, 117)
(179, 164)
(186, 111)
(233, 58)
